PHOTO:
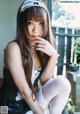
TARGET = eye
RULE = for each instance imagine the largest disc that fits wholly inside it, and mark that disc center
(29, 22)
(41, 23)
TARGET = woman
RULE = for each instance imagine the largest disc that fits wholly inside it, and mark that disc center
(29, 60)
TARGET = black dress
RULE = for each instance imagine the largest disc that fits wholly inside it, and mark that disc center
(8, 93)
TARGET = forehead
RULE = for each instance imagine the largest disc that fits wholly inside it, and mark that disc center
(34, 19)
(36, 13)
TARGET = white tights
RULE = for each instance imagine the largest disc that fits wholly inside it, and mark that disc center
(55, 92)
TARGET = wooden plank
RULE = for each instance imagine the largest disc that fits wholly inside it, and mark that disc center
(54, 31)
(68, 49)
(61, 45)
(49, 5)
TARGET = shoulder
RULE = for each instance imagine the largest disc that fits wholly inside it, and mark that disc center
(12, 51)
(12, 48)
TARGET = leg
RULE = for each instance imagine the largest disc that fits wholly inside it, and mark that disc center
(56, 92)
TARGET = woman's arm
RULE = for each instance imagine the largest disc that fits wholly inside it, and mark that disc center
(48, 72)
(47, 48)
(14, 64)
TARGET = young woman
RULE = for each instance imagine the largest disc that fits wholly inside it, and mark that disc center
(29, 62)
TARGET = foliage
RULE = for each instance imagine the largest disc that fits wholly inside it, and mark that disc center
(58, 12)
(77, 46)
(74, 64)
(70, 107)
(76, 49)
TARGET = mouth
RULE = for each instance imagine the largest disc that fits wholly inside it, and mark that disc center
(32, 38)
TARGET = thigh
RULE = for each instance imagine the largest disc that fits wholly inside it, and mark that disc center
(42, 101)
(51, 89)
(45, 92)
(54, 87)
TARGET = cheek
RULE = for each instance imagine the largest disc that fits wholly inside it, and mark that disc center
(29, 30)
(41, 31)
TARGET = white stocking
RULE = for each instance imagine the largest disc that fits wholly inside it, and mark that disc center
(56, 92)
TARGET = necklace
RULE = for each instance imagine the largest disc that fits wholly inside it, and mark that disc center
(33, 53)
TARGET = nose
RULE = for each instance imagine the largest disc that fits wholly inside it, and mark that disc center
(35, 29)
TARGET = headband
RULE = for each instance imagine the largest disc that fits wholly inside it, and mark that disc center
(30, 3)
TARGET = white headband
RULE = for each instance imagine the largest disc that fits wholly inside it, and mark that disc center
(30, 3)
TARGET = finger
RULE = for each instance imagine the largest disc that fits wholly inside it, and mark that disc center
(40, 41)
(40, 49)
(39, 46)
(40, 38)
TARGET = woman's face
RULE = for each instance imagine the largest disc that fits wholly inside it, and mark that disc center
(35, 29)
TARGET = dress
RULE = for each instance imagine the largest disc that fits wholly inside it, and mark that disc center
(8, 92)
(11, 97)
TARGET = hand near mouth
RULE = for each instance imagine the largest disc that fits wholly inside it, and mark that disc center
(43, 45)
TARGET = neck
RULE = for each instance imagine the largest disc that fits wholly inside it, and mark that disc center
(33, 52)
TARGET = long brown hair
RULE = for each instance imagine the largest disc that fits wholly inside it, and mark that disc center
(22, 38)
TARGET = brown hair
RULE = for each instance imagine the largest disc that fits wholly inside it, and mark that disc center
(22, 38)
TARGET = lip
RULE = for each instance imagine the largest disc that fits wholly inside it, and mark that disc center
(33, 38)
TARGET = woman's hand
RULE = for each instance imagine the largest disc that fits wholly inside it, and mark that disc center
(44, 46)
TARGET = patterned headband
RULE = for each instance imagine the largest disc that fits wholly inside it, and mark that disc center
(30, 3)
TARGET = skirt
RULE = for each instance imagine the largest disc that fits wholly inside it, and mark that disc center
(14, 107)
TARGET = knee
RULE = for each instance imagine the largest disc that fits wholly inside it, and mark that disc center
(64, 84)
